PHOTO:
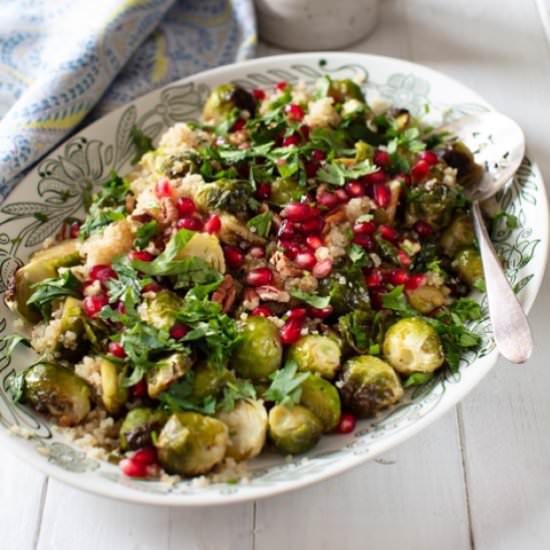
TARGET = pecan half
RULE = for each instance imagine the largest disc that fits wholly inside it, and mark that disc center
(225, 294)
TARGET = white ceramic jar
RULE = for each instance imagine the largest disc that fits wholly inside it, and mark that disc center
(315, 24)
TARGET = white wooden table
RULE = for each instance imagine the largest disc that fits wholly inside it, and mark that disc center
(478, 478)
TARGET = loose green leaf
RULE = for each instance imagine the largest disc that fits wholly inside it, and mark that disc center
(241, 389)
(194, 271)
(313, 300)
(397, 301)
(99, 219)
(52, 289)
(142, 142)
(261, 223)
(179, 397)
(417, 379)
(336, 174)
(467, 309)
(285, 385)
(12, 341)
(145, 233)
(16, 385)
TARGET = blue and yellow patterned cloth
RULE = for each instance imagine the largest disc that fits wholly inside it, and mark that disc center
(63, 60)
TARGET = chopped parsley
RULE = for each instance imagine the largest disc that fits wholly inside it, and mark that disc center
(285, 385)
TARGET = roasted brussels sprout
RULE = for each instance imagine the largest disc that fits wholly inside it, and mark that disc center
(412, 345)
(432, 204)
(316, 353)
(285, 190)
(360, 329)
(259, 353)
(191, 444)
(467, 264)
(340, 90)
(166, 372)
(113, 393)
(223, 99)
(42, 265)
(458, 235)
(247, 424)
(224, 194)
(426, 298)
(233, 231)
(294, 430)
(207, 247)
(347, 291)
(139, 425)
(323, 400)
(57, 391)
(369, 385)
(160, 310)
(210, 380)
(461, 158)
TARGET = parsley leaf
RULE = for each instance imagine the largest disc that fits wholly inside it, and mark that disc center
(98, 219)
(142, 142)
(359, 256)
(318, 302)
(336, 174)
(195, 271)
(262, 223)
(467, 309)
(285, 384)
(417, 379)
(145, 233)
(127, 286)
(240, 389)
(179, 397)
(397, 301)
(52, 289)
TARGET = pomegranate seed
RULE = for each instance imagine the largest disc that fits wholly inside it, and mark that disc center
(291, 331)
(294, 112)
(297, 313)
(330, 200)
(92, 305)
(315, 225)
(420, 170)
(381, 158)
(146, 456)
(347, 423)
(404, 258)
(263, 191)
(189, 222)
(281, 85)
(121, 308)
(424, 229)
(311, 167)
(260, 276)
(238, 125)
(398, 277)
(320, 313)
(163, 189)
(377, 296)
(178, 331)
(287, 230)
(304, 131)
(387, 232)
(375, 177)
(233, 256)
(305, 260)
(322, 268)
(213, 224)
(185, 206)
(299, 212)
(291, 248)
(364, 240)
(131, 468)
(415, 281)
(292, 140)
(261, 311)
(374, 278)
(382, 195)
(258, 94)
(102, 273)
(429, 156)
(151, 287)
(364, 228)
(354, 189)
(342, 195)
(314, 242)
(74, 230)
(318, 155)
(116, 350)
(257, 252)
(405, 179)
(139, 389)
(141, 255)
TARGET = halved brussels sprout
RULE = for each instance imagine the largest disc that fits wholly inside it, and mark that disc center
(138, 426)
(260, 352)
(316, 353)
(191, 444)
(412, 345)
(426, 298)
(160, 310)
(166, 371)
(461, 158)
(294, 430)
(432, 204)
(207, 247)
(369, 385)
(224, 194)
(284, 190)
(347, 291)
(458, 235)
(233, 231)
(210, 380)
(340, 90)
(57, 391)
(113, 394)
(467, 264)
(323, 400)
(223, 99)
(42, 265)
(247, 424)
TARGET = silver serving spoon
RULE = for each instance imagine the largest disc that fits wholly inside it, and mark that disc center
(498, 144)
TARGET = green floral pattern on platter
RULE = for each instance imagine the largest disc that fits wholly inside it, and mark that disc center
(68, 177)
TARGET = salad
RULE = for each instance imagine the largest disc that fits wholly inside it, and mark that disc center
(289, 264)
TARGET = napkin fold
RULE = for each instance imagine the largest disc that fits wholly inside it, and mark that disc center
(64, 60)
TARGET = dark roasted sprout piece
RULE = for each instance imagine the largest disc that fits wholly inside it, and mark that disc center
(57, 391)
(294, 430)
(316, 353)
(113, 392)
(369, 385)
(460, 157)
(347, 291)
(166, 371)
(467, 264)
(433, 204)
(224, 99)
(191, 444)
(322, 399)
(458, 234)
(210, 380)
(138, 427)
(225, 194)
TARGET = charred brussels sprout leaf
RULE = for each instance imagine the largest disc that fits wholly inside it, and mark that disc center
(432, 204)
(458, 235)
(293, 430)
(139, 425)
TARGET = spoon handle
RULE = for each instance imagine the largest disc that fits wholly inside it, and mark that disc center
(511, 329)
